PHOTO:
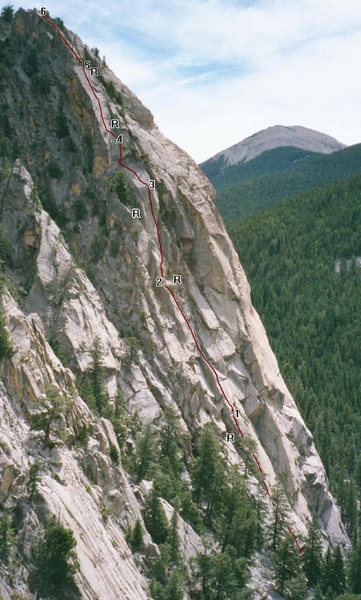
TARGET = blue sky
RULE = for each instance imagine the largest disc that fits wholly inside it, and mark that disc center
(215, 71)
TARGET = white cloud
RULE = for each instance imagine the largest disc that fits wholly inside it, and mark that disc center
(255, 63)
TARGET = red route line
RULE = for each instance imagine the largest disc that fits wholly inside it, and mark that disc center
(162, 259)
(234, 418)
(63, 38)
(255, 458)
(198, 348)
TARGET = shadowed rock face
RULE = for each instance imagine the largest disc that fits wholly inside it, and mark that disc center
(276, 137)
(98, 280)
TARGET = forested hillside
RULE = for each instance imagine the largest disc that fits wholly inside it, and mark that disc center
(312, 316)
(276, 175)
(267, 163)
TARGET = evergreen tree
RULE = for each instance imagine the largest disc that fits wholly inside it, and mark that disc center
(6, 538)
(297, 587)
(154, 516)
(96, 373)
(54, 405)
(86, 392)
(218, 576)
(136, 540)
(327, 572)
(350, 512)
(279, 510)
(118, 419)
(209, 472)
(170, 440)
(6, 349)
(355, 569)
(175, 586)
(7, 13)
(33, 480)
(201, 574)
(175, 556)
(144, 454)
(238, 522)
(55, 562)
(312, 555)
(114, 454)
(228, 575)
(286, 563)
(338, 572)
(334, 576)
(62, 129)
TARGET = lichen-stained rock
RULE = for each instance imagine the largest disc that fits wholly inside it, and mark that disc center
(85, 269)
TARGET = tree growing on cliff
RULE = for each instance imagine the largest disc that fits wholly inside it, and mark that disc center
(6, 538)
(286, 563)
(55, 562)
(144, 454)
(136, 536)
(280, 510)
(55, 404)
(312, 560)
(154, 516)
(97, 373)
(209, 473)
(33, 480)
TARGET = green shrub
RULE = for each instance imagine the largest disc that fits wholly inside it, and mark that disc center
(83, 435)
(89, 155)
(105, 511)
(54, 405)
(54, 170)
(168, 214)
(114, 248)
(6, 538)
(41, 85)
(110, 90)
(59, 22)
(6, 349)
(97, 247)
(4, 242)
(57, 349)
(131, 354)
(80, 209)
(120, 187)
(31, 63)
(62, 129)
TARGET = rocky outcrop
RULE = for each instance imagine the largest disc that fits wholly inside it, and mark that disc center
(96, 279)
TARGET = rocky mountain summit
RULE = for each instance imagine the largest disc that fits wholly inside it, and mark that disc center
(276, 137)
(79, 282)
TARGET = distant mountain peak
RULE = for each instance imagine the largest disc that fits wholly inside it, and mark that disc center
(275, 137)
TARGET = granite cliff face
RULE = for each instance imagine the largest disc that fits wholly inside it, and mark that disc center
(96, 279)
